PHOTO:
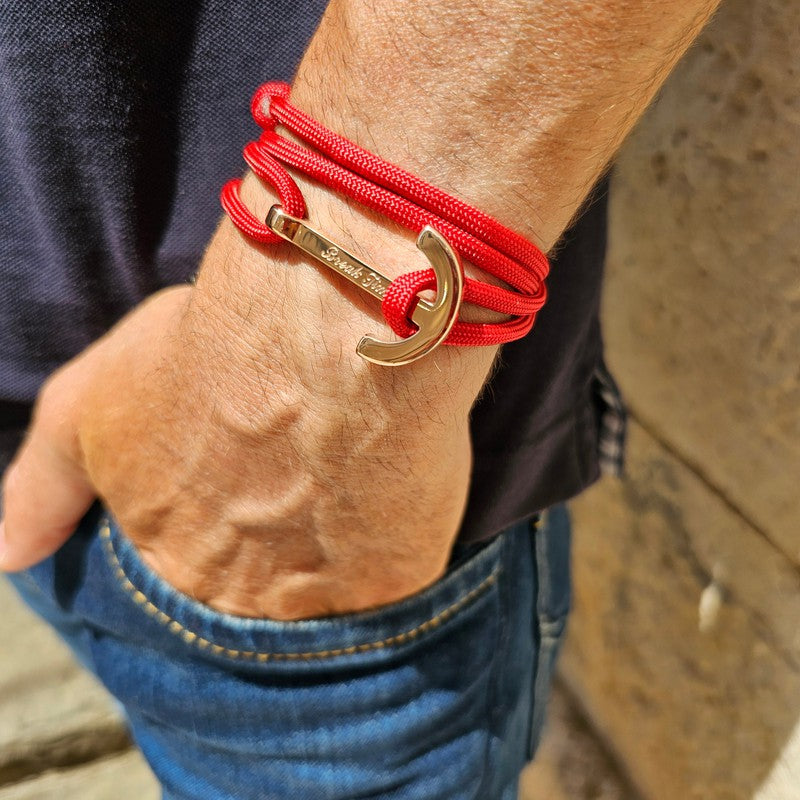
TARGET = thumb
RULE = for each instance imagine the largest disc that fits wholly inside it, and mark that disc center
(46, 490)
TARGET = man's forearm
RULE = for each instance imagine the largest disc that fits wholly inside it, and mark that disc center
(515, 106)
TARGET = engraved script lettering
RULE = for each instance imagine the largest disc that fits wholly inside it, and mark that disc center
(331, 255)
(374, 283)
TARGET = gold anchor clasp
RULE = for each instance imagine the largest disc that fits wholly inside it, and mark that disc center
(434, 319)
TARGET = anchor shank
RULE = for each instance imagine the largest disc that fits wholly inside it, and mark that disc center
(336, 258)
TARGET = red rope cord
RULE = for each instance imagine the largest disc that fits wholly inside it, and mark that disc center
(343, 166)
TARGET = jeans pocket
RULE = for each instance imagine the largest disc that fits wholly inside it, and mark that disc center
(390, 702)
(552, 556)
(157, 606)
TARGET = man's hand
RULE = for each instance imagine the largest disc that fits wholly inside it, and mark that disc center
(256, 462)
(285, 479)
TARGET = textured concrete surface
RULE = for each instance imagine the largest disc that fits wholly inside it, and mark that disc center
(703, 294)
(51, 712)
(570, 764)
(684, 645)
(60, 735)
(122, 777)
(685, 648)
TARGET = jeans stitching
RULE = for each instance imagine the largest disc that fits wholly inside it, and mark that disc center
(550, 635)
(498, 655)
(194, 639)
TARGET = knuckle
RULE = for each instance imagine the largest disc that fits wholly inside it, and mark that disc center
(52, 396)
(10, 485)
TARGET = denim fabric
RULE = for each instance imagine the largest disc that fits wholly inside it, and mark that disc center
(439, 697)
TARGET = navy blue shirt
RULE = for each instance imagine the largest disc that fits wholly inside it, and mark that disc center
(119, 122)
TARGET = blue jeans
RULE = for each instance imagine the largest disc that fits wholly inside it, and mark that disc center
(438, 697)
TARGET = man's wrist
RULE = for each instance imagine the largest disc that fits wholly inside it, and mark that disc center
(323, 315)
(526, 148)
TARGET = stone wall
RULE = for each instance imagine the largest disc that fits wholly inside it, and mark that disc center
(685, 645)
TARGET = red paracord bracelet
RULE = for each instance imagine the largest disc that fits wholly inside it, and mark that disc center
(350, 170)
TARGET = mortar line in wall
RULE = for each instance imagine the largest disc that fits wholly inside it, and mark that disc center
(36, 763)
(702, 475)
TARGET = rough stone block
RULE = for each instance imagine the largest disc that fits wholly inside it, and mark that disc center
(571, 764)
(685, 645)
(123, 777)
(702, 307)
(52, 713)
